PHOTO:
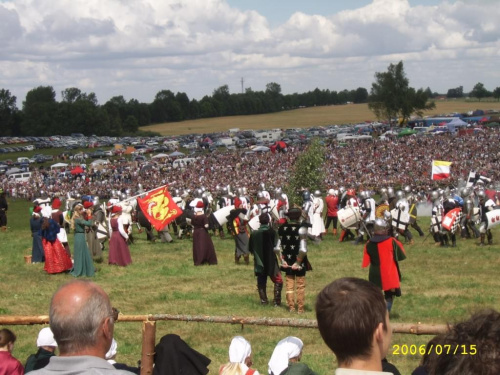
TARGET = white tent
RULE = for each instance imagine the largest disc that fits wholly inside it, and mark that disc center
(159, 156)
(58, 165)
(100, 162)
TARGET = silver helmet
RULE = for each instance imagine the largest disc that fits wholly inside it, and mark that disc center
(481, 195)
(400, 194)
(407, 189)
(390, 192)
(380, 226)
(434, 195)
(317, 193)
(277, 193)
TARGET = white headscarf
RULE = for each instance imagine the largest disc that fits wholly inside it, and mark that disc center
(239, 349)
(289, 347)
(46, 212)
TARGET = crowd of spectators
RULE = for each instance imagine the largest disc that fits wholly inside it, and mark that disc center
(372, 164)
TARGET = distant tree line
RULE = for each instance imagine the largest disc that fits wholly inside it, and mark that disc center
(79, 112)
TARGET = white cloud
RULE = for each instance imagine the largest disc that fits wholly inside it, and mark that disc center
(137, 47)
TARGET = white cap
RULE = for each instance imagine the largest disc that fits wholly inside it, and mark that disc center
(46, 338)
(47, 212)
(239, 349)
(112, 350)
(331, 192)
(289, 347)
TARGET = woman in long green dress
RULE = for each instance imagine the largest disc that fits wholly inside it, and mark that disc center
(83, 264)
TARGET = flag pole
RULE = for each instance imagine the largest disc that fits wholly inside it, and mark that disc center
(146, 192)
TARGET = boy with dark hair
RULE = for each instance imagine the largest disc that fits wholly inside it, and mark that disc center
(354, 322)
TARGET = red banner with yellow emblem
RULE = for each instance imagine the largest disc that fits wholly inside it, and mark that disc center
(159, 207)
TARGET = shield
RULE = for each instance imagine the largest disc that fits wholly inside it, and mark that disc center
(221, 215)
(379, 212)
(400, 219)
(102, 233)
(435, 224)
(348, 217)
(451, 221)
(254, 223)
(493, 218)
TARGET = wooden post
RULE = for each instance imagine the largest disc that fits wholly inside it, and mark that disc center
(148, 347)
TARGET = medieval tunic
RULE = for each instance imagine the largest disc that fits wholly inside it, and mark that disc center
(119, 252)
(91, 236)
(240, 232)
(290, 243)
(203, 247)
(37, 254)
(262, 243)
(83, 265)
(56, 258)
(382, 254)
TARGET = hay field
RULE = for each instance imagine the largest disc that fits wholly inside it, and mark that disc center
(302, 118)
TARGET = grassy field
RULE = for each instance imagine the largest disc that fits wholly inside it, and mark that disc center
(439, 285)
(302, 118)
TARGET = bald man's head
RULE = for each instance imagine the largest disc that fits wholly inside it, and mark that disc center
(81, 318)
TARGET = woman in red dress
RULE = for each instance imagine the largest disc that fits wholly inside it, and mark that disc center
(119, 252)
(56, 258)
(203, 247)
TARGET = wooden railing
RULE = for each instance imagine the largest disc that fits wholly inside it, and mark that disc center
(149, 327)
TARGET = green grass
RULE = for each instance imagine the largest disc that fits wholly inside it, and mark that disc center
(439, 286)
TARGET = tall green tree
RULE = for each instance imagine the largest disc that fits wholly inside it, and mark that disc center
(496, 93)
(308, 172)
(479, 91)
(9, 114)
(39, 111)
(391, 96)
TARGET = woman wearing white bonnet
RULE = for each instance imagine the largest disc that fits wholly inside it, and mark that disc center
(240, 358)
(286, 358)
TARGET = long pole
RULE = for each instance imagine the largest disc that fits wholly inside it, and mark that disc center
(146, 192)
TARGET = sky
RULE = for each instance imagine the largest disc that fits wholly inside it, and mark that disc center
(137, 48)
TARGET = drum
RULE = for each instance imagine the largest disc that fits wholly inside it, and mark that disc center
(221, 215)
(348, 217)
(102, 233)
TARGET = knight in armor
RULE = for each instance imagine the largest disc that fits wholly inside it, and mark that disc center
(391, 198)
(383, 254)
(261, 246)
(238, 220)
(485, 205)
(403, 205)
(412, 199)
(291, 250)
(367, 210)
(282, 205)
(307, 212)
(436, 217)
(448, 204)
(262, 188)
(332, 207)
(352, 202)
(467, 223)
